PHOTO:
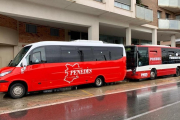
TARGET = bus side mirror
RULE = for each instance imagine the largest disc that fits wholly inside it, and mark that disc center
(24, 65)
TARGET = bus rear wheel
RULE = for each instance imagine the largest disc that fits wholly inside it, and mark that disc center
(98, 82)
(177, 72)
(17, 90)
(153, 74)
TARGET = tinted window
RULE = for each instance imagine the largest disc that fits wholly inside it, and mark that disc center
(86, 53)
(170, 56)
(38, 55)
(70, 54)
(53, 54)
(143, 56)
(100, 54)
(115, 53)
(165, 58)
(54, 32)
(31, 28)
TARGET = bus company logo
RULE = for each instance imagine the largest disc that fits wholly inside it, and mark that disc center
(144, 74)
(155, 59)
(73, 71)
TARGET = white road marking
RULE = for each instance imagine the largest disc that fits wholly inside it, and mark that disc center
(153, 110)
(40, 106)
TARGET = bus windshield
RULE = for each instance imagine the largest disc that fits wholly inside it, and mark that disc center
(131, 56)
(19, 56)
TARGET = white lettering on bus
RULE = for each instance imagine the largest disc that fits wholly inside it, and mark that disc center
(144, 74)
(83, 71)
(154, 59)
(73, 71)
(174, 57)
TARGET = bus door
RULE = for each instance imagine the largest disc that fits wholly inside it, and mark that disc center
(35, 70)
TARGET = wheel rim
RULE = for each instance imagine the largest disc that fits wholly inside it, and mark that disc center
(98, 81)
(152, 74)
(17, 91)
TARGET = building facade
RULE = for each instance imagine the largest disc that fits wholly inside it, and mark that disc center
(115, 21)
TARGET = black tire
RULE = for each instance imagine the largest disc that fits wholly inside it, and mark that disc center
(153, 74)
(177, 72)
(17, 90)
(98, 82)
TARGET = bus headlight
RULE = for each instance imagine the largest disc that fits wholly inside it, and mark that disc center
(4, 73)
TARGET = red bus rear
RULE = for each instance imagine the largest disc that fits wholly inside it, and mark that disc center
(145, 61)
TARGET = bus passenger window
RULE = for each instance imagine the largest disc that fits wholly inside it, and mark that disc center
(53, 54)
(87, 54)
(116, 52)
(101, 54)
(70, 54)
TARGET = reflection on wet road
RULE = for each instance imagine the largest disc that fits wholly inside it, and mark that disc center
(122, 105)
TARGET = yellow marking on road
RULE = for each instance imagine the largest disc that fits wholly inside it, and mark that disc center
(69, 95)
(87, 92)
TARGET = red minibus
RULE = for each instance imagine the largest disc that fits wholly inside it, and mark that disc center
(50, 65)
(150, 61)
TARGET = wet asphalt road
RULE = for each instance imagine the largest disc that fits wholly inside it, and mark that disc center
(142, 104)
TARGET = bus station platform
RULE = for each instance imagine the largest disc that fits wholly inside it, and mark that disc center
(48, 98)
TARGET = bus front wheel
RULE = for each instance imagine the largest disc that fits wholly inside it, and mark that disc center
(17, 90)
(98, 82)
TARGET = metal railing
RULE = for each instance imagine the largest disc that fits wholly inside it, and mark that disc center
(144, 13)
(122, 5)
(169, 24)
(169, 3)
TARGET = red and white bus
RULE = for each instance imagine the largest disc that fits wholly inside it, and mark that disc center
(49, 65)
(148, 61)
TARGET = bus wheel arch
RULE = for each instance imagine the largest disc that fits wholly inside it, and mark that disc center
(16, 87)
(153, 73)
(99, 81)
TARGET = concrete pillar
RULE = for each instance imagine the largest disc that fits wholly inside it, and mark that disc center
(154, 37)
(173, 41)
(93, 32)
(128, 36)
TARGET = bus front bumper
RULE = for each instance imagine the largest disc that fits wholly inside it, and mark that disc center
(4, 86)
(138, 75)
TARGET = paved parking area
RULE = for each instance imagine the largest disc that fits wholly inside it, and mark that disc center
(35, 100)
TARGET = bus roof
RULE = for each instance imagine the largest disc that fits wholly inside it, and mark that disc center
(76, 43)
